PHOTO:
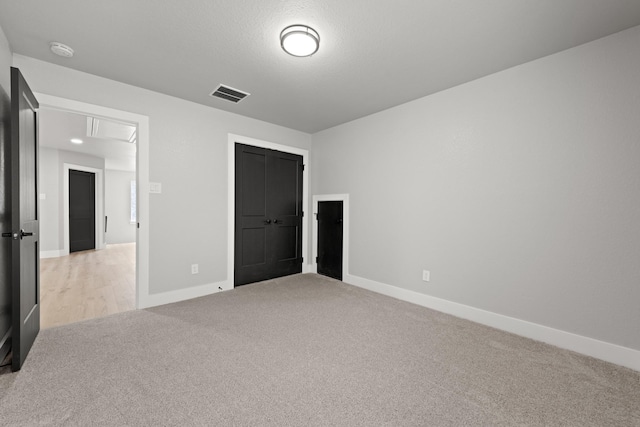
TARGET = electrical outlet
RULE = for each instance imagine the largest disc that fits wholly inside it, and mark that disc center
(426, 275)
(194, 268)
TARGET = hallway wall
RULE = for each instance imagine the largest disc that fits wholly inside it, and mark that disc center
(117, 184)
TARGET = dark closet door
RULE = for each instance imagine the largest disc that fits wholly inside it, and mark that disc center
(82, 211)
(330, 239)
(268, 205)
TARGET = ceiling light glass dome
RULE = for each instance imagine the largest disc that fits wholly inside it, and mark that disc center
(300, 40)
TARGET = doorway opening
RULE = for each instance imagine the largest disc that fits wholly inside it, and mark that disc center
(80, 282)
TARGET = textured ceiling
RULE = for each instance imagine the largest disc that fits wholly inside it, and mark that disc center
(373, 55)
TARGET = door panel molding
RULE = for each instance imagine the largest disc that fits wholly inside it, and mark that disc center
(99, 201)
(231, 168)
(344, 198)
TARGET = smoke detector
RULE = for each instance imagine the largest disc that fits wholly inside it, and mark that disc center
(61, 49)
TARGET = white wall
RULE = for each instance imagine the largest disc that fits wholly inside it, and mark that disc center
(51, 181)
(188, 156)
(50, 208)
(118, 206)
(5, 63)
(520, 191)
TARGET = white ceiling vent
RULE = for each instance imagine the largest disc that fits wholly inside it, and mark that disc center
(229, 93)
(108, 129)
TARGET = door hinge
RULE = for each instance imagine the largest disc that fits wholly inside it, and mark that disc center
(317, 258)
(317, 216)
(302, 167)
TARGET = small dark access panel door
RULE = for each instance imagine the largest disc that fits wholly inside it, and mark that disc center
(82, 211)
(268, 214)
(330, 239)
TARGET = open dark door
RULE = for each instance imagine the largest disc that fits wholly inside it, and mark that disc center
(330, 239)
(24, 219)
(82, 211)
(5, 224)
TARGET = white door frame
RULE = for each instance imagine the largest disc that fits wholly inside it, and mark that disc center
(231, 167)
(344, 198)
(99, 204)
(142, 177)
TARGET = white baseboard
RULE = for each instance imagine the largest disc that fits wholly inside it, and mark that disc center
(51, 254)
(613, 353)
(153, 300)
(61, 252)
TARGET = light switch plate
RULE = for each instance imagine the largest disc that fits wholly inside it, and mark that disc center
(155, 187)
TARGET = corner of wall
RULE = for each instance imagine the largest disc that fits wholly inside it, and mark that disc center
(5, 63)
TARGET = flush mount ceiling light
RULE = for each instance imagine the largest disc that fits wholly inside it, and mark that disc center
(61, 49)
(300, 40)
(76, 141)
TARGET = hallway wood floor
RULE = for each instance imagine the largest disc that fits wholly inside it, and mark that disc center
(88, 284)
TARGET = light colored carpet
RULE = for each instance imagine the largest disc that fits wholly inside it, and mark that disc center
(307, 350)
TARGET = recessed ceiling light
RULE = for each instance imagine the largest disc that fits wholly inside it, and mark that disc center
(300, 40)
(77, 141)
(61, 49)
